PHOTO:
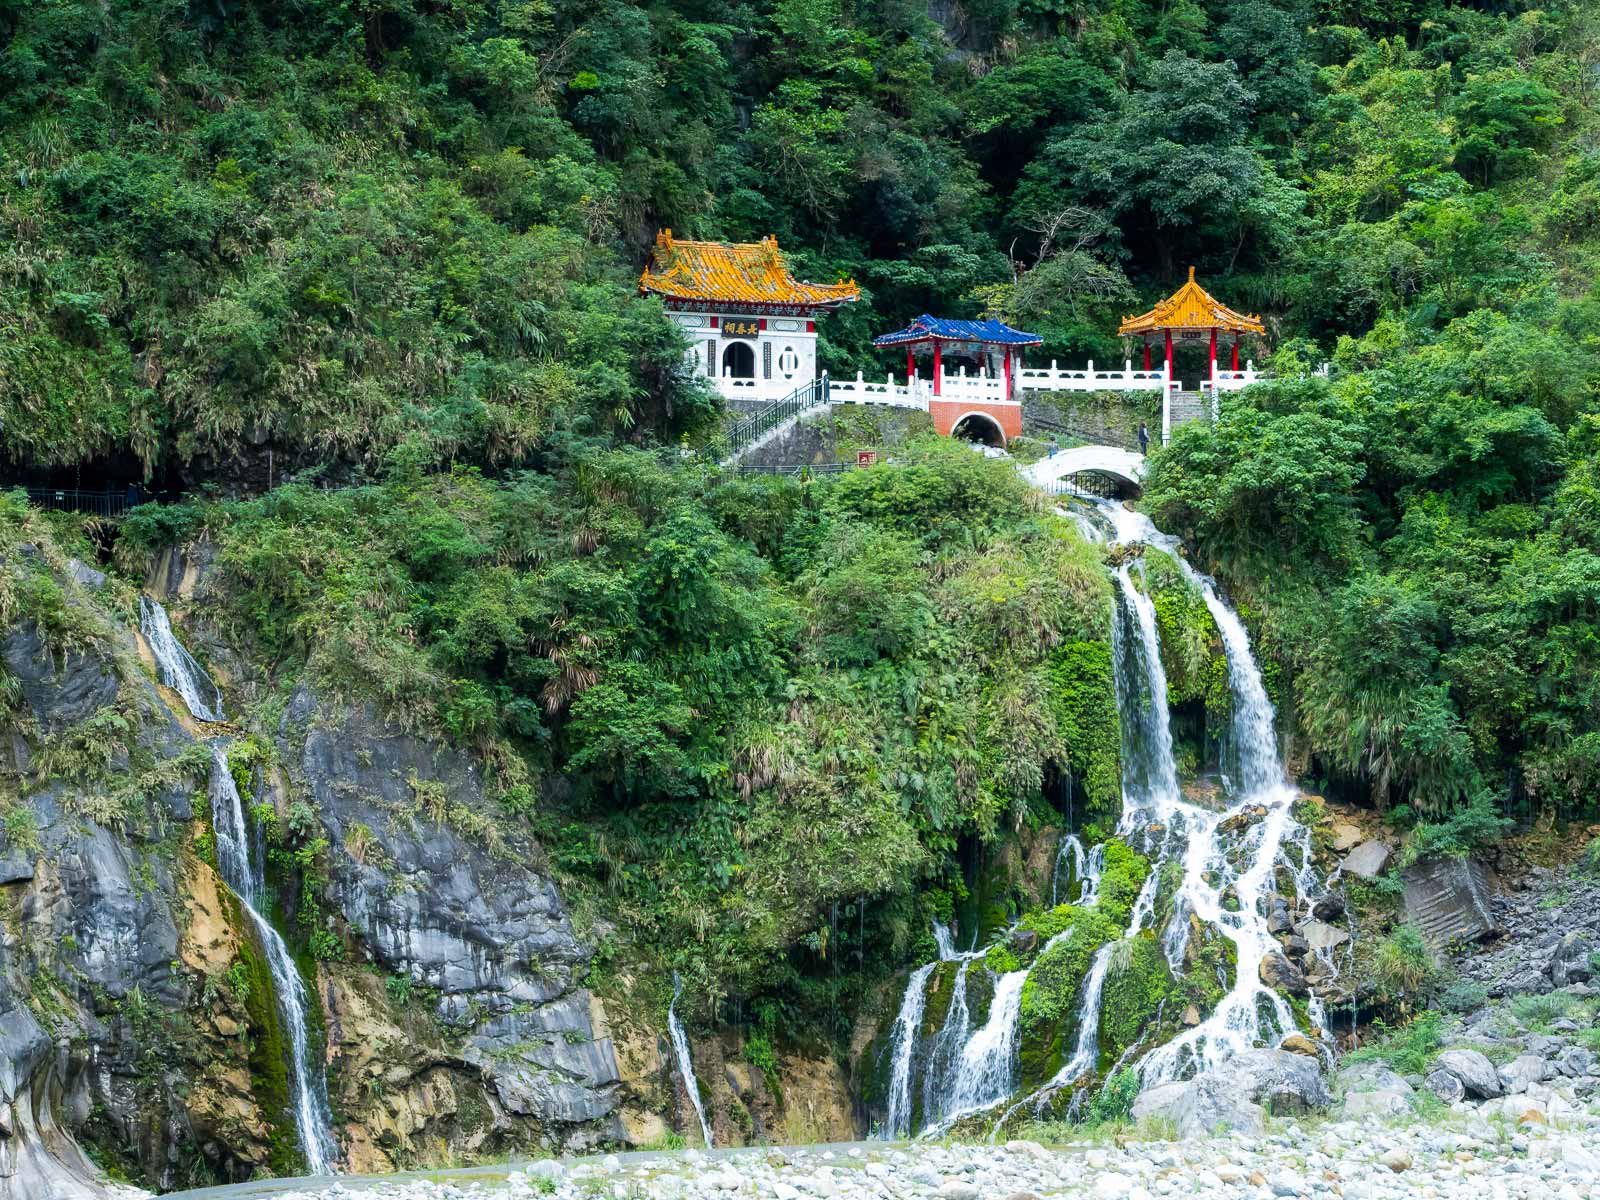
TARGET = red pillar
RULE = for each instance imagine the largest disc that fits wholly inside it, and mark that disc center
(1213, 352)
(1235, 354)
(938, 369)
(911, 364)
(1147, 354)
(1169, 350)
(1008, 372)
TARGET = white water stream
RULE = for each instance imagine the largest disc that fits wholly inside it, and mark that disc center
(680, 1050)
(243, 873)
(1228, 858)
(175, 666)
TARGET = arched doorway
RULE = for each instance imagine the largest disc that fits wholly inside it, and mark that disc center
(979, 427)
(739, 361)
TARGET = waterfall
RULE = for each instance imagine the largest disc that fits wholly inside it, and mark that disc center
(986, 1072)
(1251, 1013)
(175, 666)
(1149, 770)
(1212, 853)
(903, 1041)
(244, 876)
(1071, 850)
(680, 1050)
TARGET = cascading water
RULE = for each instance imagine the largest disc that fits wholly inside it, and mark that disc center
(986, 1072)
(244, 876)
(175, 666)
(903, 1043)
(680, 1050)
(1235, 851)
(1251, 1013)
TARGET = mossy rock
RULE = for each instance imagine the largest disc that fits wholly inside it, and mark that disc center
(1210, 967)
(940, 990)
(1137, 982)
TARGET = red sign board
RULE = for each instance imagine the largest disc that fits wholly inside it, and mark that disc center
(865, 458)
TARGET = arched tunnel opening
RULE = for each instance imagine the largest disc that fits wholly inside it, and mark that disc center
(980, 428)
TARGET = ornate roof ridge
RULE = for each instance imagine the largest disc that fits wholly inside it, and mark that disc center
(1192, 307)
(736, 273)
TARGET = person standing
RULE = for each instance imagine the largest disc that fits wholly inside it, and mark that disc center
(1144, 438)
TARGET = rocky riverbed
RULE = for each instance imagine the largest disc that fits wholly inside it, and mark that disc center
(1466, 1152)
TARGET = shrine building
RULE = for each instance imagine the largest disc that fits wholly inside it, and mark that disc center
(752, 323)
(1192, 314)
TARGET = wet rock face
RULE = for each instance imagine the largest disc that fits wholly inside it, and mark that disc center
(95, 936)
(432, 902)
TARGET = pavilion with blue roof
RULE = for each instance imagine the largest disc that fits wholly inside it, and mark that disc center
(984, 341)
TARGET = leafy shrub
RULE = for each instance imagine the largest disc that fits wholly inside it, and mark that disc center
(1409, 1049)
(1463, 996)
(1589, 860)
(1114, 1101)
(1404, 966)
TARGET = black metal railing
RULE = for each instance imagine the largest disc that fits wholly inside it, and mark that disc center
(111, 502)
(1087, 483)
(750, 430)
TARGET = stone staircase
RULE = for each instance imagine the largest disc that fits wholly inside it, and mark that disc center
(1189, 406)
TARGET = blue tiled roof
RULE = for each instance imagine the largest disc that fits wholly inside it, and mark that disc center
(926, 327)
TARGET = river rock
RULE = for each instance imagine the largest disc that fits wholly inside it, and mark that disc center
(1321, 936)
(1520, 1072)
(1367, 860)
(1477, 1073)
(1280, 974)
(1570, 962)
(1346, 837)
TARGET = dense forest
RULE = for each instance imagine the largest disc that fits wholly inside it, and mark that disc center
(392, 245)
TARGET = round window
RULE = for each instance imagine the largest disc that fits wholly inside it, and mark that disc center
(788, 362)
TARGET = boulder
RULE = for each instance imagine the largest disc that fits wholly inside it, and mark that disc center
(1346, 837)
(1329, 908)
(1281, 975)
(1371, 1077)
(1446, 1086)
(1294, 945)
(1202, 1106)
(1381, 1104)
(1299, 1043)
(1367, 860)
(1476, 1073)
(1448, 899)
(1570, 961)
(1526, 1069)
(1321, 936)
(1279, 920)
(1576, 1061)
(1284, 1081)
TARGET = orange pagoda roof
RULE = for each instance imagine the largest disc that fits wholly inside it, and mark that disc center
(736, 273)
(1192, 307)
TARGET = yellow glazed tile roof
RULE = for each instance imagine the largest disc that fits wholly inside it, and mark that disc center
(1192, 307)
(733, 272)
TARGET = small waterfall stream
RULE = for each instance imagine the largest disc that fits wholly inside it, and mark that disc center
(175, 666)
(680, 1050)
(243, 874)
(1238, 850)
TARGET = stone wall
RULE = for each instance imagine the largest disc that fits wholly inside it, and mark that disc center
(1111, 418)
(834, 434)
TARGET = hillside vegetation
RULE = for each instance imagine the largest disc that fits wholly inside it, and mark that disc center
(392, 244)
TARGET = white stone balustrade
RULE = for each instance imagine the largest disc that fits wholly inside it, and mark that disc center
(1089, 379)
